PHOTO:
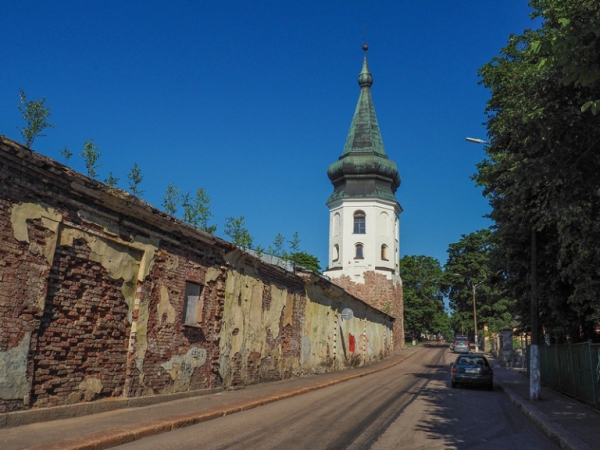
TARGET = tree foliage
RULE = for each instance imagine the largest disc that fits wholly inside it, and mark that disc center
(278, 247)
(423, 295)
(91, 154)
(307, 261)
(111, 180)
(36, 117)
(295, 243)
(196, 212)
(542, 166)
(135, 178)
(471, 266)
(66, 153)
(570, 42)
(171, 199)
(236, 229)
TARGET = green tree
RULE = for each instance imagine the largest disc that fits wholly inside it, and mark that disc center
(236, 229)
(570, 42)
(135, 178)
(423, 295)
(36, 117)
(470, 268)
(541, 171)
(197, 212)
(91, 155)
(66, 153)
(278, 247)
(307, 261)
(171, 199)
(111, 180)
(295, 243)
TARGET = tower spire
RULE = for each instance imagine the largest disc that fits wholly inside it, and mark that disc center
(364, 170)
(364, 134)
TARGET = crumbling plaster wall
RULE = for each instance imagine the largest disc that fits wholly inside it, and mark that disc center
(271, 331)
(260, 337)
(381, 293)
(339, 341)
(92, 299)
(82, 300)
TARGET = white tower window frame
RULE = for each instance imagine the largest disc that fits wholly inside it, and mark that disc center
(359, 222)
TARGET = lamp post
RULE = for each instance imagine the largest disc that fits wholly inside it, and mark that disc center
(473, 287)
(534, 361)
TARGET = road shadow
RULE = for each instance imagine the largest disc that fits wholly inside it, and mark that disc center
(471, 416)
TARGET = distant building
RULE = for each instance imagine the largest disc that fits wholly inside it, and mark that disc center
(364, 229)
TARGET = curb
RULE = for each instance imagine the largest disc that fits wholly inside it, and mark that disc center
(27, 417)
(124, 434)
(554, 431)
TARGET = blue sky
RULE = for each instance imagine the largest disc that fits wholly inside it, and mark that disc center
(252, 100)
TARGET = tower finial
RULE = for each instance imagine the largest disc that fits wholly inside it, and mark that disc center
(365, 79)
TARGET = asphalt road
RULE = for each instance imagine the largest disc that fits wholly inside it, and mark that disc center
(409, 406)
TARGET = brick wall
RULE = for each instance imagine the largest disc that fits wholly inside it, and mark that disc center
(93, 296)
(381, 293)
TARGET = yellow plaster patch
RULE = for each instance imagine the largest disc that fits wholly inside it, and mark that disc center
(24, 211)
(128, 290)
(119, 261)
(149, 246)
(213, 273)
(50, 219)
(142, 335)
(253, 294)
(165, 307)
(288, 318)
(278, 302)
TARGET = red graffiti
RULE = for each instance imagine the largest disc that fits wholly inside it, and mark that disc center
(352, 344)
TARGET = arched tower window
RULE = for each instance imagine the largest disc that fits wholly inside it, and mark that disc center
(384, 252)
(336, 252)
(359, 222)
(358, 251)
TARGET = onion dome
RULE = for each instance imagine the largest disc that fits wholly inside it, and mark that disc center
(364, 170)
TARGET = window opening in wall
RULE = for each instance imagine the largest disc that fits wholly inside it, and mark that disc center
(359, 222)
(192, 309)
(384, 252)
(336, 252)
(358, 254)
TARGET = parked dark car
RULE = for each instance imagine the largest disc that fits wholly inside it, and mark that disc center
(472, 369)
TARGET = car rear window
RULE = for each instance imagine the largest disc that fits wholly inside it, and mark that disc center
(471, 361)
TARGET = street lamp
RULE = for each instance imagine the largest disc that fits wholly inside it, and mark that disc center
(534, 361)
(477, 140)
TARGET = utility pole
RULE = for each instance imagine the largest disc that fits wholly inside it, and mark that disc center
(534, 358)
(473, 287)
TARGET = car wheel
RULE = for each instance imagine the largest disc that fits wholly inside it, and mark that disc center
(454, 384)
(490, 387)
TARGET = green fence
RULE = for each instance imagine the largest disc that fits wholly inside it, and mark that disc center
(573, 369)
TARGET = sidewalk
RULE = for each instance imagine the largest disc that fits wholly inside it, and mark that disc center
(571, 424)
(116, 427)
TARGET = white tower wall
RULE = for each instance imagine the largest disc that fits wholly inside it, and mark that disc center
(381, 229)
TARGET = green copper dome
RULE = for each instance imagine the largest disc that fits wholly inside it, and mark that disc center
(364, 170)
